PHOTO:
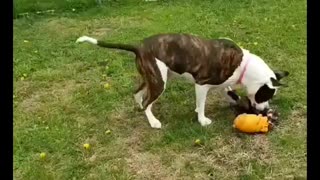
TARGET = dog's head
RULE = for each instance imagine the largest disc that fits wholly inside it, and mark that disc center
(261, 81)
(261, 94)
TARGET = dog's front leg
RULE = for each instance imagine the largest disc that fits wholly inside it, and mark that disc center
(201, 95)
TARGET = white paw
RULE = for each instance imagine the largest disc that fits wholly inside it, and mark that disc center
(204, 121)
(155, 124)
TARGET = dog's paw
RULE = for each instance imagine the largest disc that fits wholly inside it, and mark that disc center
(155, 124)
(204, 121)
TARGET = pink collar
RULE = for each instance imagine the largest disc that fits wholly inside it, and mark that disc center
(243, 72)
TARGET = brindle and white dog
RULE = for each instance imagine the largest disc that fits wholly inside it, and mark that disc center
(207, 62)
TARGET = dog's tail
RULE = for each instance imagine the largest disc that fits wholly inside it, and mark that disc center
(91, 40)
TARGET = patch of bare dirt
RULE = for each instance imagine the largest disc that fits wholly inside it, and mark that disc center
(147, 166)
(100, 32)
(298, 118)
(57, 93)
(262, 150)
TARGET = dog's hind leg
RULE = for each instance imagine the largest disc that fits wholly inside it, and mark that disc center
(155, 87)
(201, 95)
(139, 93)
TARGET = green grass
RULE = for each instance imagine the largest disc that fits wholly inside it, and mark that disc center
(61, 103)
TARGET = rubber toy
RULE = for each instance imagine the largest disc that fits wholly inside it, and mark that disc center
(251, 123)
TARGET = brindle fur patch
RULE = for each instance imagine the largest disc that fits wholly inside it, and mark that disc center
(208, 61)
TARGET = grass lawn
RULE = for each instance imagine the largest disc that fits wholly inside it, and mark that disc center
(60, 102)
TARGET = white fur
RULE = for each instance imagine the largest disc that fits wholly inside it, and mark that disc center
(201, 95)
(163, 70)
(87, 39)
(257, 74)
(153, 121)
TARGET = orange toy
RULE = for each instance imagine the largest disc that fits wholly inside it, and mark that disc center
(251, 123)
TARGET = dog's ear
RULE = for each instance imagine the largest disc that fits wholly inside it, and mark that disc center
(281, 74)
(276, 83)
